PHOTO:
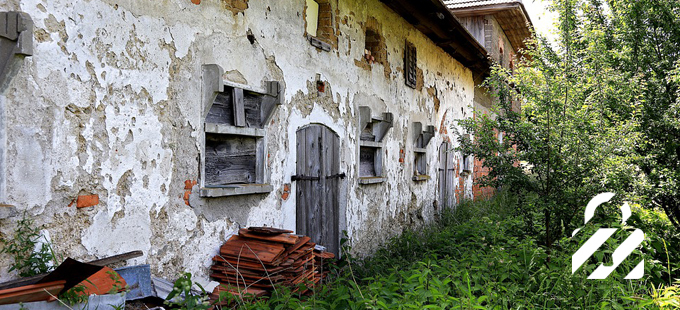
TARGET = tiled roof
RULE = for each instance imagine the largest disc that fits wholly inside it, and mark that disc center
(459, 4)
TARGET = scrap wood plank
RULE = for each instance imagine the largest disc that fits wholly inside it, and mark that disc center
(303, 262)
(300, 253)
(301, 242)
(242, 263)
(252, 278)
(249, 249)
(309, 275)
(116, 258)
(298, 269)
(248, 277)
(240, 277)
(324, 255)
(269, 230)
(280, 238)
(313, 282)
(217, 298)
(251, 263)
(33, 292)
(248, 283)
(251, 292)
(287, 263)
(230, 270)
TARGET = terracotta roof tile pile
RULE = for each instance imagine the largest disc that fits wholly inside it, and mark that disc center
(258, 258)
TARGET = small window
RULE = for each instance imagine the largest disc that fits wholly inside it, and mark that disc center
(421, 138)
(233, 160)
(373, 131)
(410, 62)
(375, 48)
(319, 19)
(468, 161)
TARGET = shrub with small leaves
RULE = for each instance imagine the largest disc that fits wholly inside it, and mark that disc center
(27, 261)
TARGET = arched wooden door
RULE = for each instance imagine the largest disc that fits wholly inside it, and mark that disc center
(317, 185)
(447, 196)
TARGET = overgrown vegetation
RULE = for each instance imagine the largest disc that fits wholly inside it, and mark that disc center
(32, 256)
(480, 256)
(183, 296)
(600, 113)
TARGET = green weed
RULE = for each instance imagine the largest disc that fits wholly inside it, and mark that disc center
(22, 247)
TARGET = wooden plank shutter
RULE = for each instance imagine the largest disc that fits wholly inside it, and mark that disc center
(239, 111)
(410, 64)
(318, 179)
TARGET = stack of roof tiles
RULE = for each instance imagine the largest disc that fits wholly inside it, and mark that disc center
(258, 258)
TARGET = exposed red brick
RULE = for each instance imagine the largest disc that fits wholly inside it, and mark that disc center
(196, 1)
(442, 127)
(286, 191)
(85, 201)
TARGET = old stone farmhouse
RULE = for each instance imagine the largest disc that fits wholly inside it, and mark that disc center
(164, 126)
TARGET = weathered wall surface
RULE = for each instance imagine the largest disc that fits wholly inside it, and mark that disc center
(110, 105)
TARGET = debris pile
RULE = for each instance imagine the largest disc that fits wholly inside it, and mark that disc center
(258, 258)
(88, 279)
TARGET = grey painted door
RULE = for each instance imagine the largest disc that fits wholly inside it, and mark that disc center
(317, 185)
(447, 197)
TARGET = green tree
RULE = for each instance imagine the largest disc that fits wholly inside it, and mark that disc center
(647, 36)
(575, 134)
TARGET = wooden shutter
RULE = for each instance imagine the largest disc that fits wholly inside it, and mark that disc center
(410, 65)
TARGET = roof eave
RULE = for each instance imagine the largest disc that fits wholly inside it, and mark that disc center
(439, 24)
(493, 9)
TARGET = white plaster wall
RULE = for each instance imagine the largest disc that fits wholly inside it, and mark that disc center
(110, 104)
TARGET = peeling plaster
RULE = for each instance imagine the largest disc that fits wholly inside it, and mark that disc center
(110, 105)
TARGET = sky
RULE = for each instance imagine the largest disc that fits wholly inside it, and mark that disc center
(541, 18)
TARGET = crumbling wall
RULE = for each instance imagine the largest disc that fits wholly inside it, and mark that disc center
(109, 106)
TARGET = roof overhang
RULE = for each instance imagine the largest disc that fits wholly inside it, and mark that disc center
(512, 17)
(432, 18)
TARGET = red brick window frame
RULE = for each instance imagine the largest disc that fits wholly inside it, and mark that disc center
(325, 37)
(374, 46)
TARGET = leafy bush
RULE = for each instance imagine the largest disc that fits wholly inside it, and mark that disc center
(28, 260)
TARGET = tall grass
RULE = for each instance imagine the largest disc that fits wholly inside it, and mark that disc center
(479, 256)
